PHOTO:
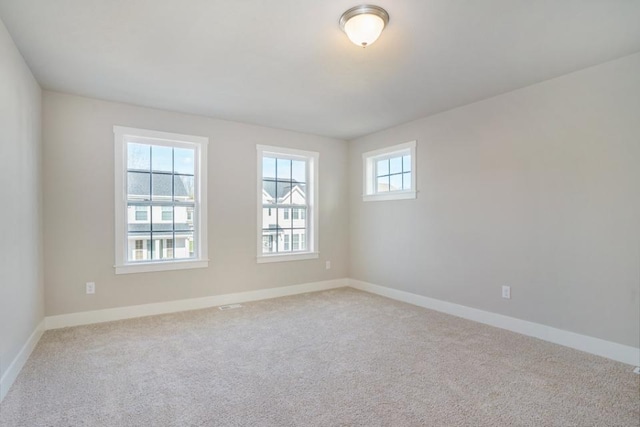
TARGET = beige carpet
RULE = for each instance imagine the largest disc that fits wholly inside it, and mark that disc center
(334, 358)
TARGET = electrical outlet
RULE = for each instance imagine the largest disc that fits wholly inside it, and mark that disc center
(327, 265)
(90, 287)
(506, 292)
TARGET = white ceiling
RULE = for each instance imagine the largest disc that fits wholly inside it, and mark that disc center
(286, 64)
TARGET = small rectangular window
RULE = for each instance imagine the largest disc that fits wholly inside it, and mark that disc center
(142, 213)
(389, 173)
(167, 213)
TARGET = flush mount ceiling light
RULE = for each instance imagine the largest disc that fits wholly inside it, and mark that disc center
(363, 24)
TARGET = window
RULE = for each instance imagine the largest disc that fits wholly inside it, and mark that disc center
(390, 173)
(141, 213)
(161, 207)
(140, 252)
(167, 213)
(287, 186)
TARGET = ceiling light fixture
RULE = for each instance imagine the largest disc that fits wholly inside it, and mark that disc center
(363, 24)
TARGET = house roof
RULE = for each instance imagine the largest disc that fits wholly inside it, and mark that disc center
(282, 189)
(160, 227)
(138, 184)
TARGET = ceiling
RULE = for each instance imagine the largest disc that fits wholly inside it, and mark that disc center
(286, 64)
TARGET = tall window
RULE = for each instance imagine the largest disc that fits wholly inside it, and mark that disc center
(390, 173)
(287, 204)
(160, 199)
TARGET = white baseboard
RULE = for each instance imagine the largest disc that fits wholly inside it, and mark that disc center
(611, 350)
(597, 346)
(129, 312)
(18, 362)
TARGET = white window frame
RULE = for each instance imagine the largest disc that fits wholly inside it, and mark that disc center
(369, 162)
(313, 230)
(123, 135)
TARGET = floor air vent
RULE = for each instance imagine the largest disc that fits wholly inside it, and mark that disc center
(229, 306)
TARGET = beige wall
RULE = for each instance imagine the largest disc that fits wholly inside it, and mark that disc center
(79, 207)
(21, 292)
(538, 189)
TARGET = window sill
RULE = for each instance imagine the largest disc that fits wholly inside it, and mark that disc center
(400, 195)
(293, 257)
(148, 267)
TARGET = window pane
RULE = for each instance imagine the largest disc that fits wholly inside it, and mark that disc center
(167, 213)
(383, 167)
(383, 184)
(138, 218)
(161, 159)
(184, 246)
(183, 218)
(284, 169)
(184, 188)
(158, 221)
(302, 239)
(162, 245)
(284, 217)
(269, 218)
(268, 192)
(296, 242)
(284, 241)
(299, 217)
(183, 160)
(298, 170)
(299, 240)
(138, 186)
(141, 213)
(161, 186)
(138, 156)
(406, 163)
(269, 167)
(268, 241)
(406, 181)
(395, 165)
(395, 182)
(139, 247)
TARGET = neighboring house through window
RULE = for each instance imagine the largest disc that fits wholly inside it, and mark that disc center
(287, 204)
(161, 206)
(390, 173)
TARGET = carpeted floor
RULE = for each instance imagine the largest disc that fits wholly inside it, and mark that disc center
(334, 358)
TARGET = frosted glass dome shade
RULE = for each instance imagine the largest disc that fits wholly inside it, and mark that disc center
(364, 24)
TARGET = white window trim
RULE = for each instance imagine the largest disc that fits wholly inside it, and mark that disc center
(312, 194)
(369, 160)
(121, 136)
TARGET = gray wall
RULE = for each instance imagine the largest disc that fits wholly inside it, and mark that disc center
(21, 292)
(538, 189)
(79, 207)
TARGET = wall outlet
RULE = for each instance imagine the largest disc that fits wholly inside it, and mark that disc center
(90, 287)
(506, 292)
(327, 265)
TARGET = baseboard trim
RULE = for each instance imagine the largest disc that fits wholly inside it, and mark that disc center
(129, 312)
(611, 350)
(21, 358)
